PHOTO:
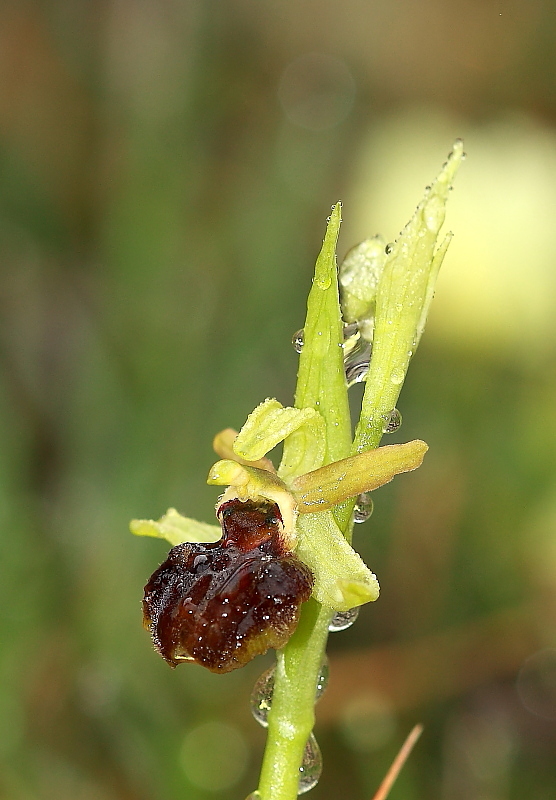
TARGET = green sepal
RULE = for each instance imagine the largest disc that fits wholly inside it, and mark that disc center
(176, 529)
(333, 484)
(342, 580)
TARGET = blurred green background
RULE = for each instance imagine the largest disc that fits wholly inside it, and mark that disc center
(167, 168)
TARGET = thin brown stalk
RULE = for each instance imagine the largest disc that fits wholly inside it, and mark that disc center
(397, 764)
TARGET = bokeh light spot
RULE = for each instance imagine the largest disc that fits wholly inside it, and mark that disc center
(536, 684)
(214, 756)
(368, 723)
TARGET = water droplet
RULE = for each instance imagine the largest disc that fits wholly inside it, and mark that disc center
(254, 796)
(311, 766)
(322, 680)
(298, 339)
(261, 697)
(363, 507)
(388, 249)
(397, 376)
(343, 619)
(392, 421)
(356, 362)
(350, 329)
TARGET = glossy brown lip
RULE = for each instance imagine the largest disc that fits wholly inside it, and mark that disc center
(241, 599)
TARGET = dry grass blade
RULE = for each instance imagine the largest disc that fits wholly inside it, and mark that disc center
(397, 764)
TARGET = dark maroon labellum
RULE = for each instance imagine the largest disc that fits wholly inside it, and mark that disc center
(221, 604)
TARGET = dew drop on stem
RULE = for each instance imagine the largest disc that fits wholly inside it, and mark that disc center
(363, 507)
(261, 697)
(311, 766)
(343, 620)
(322, 679)
(391, 421)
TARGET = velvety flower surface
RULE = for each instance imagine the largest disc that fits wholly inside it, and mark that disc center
(222, 603)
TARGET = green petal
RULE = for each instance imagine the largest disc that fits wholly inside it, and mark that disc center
(176, 529)
(270, 423)
(223, 445)
(342, 580)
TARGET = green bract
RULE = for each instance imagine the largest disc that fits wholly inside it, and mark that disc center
(404, 293)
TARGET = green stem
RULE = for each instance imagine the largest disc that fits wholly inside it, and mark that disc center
(321, 385)
(292, 716)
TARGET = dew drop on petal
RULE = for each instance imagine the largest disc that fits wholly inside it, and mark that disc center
(261, 697)
(254, 796)
(388, 249)
(391, 421)
(311, 766)
(297, 340)
(363, 507)
(343, 620)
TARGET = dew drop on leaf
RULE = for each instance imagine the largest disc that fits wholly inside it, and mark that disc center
(298, 339)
